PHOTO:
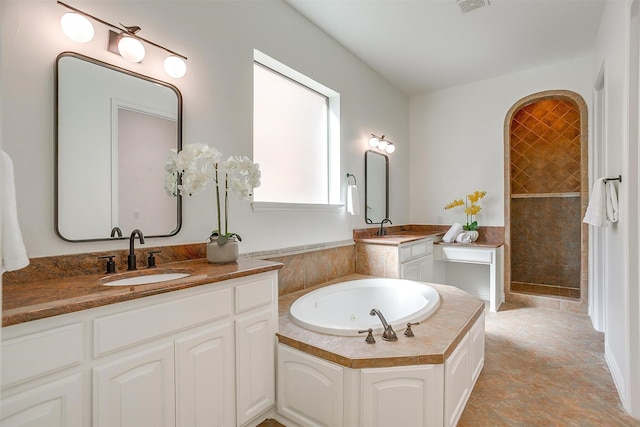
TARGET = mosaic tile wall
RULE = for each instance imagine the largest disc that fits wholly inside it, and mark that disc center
(545, 148)
(546, 218)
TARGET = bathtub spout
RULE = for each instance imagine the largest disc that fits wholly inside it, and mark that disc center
(388, 334)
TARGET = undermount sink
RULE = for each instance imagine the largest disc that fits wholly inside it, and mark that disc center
(146, 279)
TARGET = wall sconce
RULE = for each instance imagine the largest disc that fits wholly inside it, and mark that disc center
(124, 41)
(381, 144)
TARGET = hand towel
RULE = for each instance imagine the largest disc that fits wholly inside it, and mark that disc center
(353, 200)
(464, 237)
(612, 201)
(596, 210)
(450, 236)
(14, 254)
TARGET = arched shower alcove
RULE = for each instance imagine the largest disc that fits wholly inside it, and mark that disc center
(546, 192)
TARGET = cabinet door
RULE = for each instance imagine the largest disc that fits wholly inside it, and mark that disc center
(136, 390)
(415, 389)
(255, 356)
(310, 390)
(420, 269)
(457, 382)
(477, 349)
(58, 403)
(205, 390)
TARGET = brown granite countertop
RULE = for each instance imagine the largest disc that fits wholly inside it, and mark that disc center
(23, 302)
(490, 237)
(435, 338)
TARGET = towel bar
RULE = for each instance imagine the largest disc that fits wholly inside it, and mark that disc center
(619, 179)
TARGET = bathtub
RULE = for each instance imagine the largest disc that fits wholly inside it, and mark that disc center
(343, 309)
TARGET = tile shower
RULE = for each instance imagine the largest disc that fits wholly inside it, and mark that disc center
(546, 169)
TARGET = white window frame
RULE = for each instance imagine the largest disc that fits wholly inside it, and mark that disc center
(334, 203)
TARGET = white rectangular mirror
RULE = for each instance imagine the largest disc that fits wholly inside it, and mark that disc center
(376, 192)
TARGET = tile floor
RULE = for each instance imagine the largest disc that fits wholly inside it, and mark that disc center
(542, 368)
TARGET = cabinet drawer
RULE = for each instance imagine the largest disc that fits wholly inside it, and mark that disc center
(413, 250)
(37, 354)
(135, 326)
(254, 294)
(456, 254)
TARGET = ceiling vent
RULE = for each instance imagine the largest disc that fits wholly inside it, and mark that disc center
(469, 5)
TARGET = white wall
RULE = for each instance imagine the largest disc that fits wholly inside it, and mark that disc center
(611, 53)
(218, 38)
(457, 139)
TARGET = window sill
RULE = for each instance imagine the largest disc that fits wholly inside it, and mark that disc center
(295, 207)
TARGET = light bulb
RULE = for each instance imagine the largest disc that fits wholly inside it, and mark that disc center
(373, 141)
(390, 148)
(131, 49)
(77, 27)
(382, 145)
(175, 66)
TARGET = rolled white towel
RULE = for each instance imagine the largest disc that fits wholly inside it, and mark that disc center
(452, 233)
(464, 237)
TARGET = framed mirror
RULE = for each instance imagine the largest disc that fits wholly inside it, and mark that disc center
(114, 132)
(376, 186)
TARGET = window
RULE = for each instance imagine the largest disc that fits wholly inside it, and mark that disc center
(295, 137)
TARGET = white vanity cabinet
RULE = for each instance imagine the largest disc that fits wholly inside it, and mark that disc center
(416, 260)
(198, 356)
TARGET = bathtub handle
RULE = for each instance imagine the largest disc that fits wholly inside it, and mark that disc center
(409, 332)
(369, 339)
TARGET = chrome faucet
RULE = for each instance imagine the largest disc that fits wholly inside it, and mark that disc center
(131, 259)
(116, 231)
(382, 231)
(388, 334)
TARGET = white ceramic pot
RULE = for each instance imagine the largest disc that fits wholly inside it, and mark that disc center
(474, 235)
(222, 254)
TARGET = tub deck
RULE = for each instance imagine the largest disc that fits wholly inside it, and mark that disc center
(435, 338)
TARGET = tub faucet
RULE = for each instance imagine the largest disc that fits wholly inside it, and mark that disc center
(131, 259)
(388, 334)
(382, 231)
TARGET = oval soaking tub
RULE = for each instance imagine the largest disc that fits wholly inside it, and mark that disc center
(343, 308)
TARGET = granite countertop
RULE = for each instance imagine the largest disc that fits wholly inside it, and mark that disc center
(435, 338)
(23, 302)
(490, 237)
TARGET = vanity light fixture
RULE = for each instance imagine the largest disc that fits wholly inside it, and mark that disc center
(381, 144)
(124, 41)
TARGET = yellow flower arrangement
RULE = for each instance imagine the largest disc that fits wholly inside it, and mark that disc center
(471, 208)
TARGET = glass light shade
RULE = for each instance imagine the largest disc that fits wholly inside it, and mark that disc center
(373, 141)
(175, 66)
(77, 27)
(382, 145)
(390, 148)
(131, 49)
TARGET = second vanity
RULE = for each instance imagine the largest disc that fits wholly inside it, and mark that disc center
(418, 253)
(196, 351)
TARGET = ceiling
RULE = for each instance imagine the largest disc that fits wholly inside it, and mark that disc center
(425, 45)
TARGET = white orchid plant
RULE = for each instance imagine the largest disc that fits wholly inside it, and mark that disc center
(189, 171)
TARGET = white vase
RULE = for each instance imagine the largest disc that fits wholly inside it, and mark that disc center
(473, 234)
(222, 254)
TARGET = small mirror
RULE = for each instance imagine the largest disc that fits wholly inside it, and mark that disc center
(376, 192)
(114, 132)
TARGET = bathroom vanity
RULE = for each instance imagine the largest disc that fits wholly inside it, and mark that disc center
(199, 354)
(327, 380)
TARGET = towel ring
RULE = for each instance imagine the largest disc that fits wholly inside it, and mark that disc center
(349, 175)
